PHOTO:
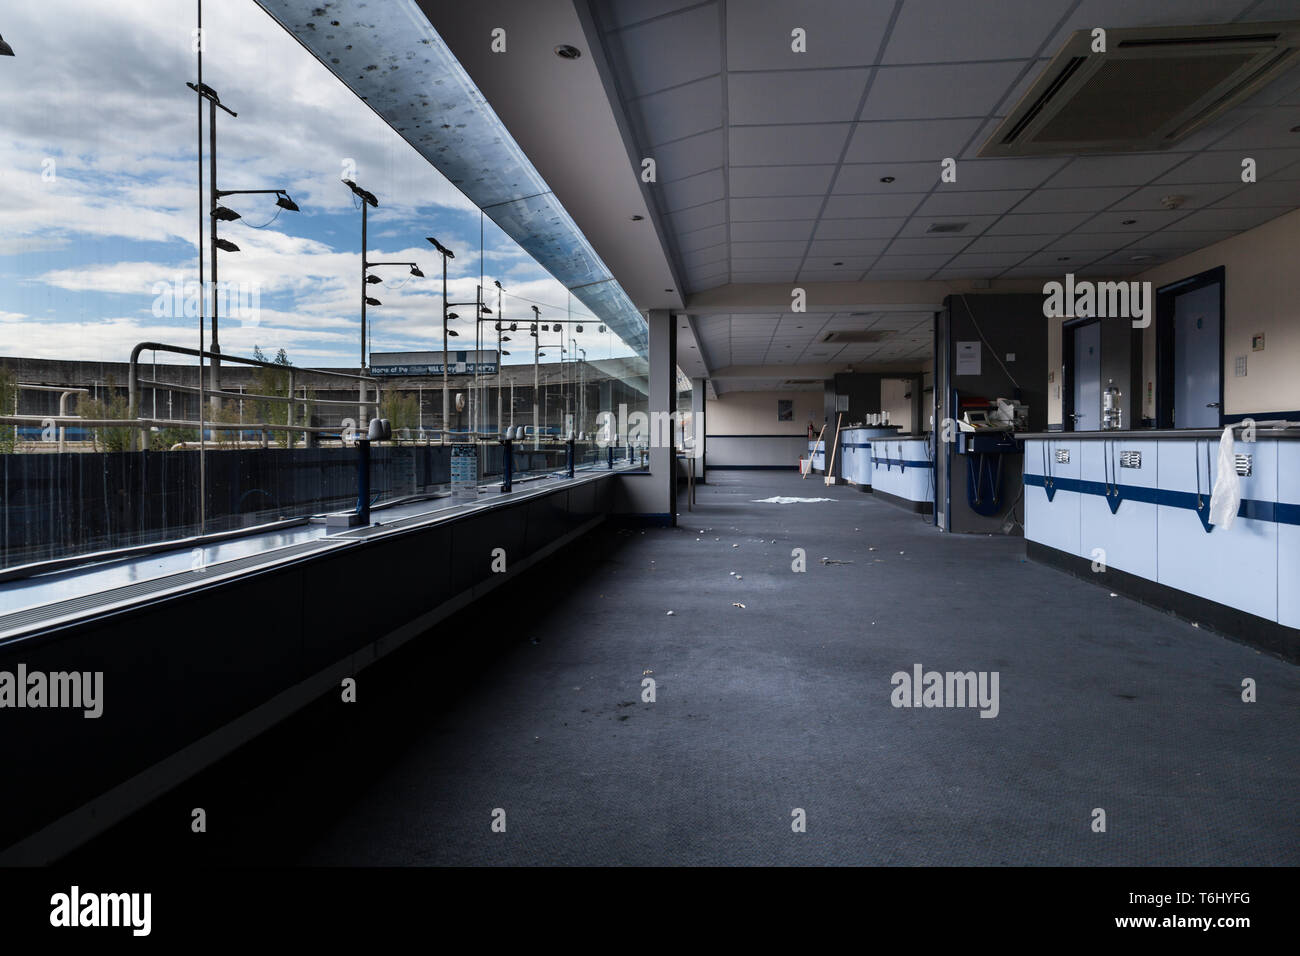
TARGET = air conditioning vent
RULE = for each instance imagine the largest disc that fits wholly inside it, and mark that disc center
(844, 336)
(1153, 88)
(946, 227)
(802, 381)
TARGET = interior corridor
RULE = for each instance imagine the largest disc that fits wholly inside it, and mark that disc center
(531, 702)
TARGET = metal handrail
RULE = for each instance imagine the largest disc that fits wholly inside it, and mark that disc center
(134, 384)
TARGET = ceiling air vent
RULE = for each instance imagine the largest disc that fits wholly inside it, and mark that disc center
(946, 227)
(802, 381)
(1152, 88)
(843, 336)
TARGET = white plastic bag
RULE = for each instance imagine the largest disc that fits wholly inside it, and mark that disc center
(1226, 497)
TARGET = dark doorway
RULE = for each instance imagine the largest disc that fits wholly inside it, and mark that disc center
(1081, 388)
(1189, 352)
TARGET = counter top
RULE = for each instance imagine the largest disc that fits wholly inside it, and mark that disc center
(1150, 433)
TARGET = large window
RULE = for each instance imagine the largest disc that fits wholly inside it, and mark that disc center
(109, 434)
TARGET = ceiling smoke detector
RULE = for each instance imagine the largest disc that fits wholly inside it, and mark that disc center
(1151, 89)
(1172, 202)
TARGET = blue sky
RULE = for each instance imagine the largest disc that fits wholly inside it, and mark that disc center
(99, 204)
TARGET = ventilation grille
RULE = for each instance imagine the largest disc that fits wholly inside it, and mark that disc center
(1244, 464)
(944, 227)
(1130, 459)
(1151, 89)
(848, 336)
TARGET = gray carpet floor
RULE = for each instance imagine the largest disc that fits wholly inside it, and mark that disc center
(532, 704)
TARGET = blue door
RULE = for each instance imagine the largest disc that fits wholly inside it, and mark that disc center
(1198, 363)
(1087, 377)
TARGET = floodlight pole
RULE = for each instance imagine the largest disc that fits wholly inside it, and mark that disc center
(537, 339)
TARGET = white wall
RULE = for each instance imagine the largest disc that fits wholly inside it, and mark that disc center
(1262, 294)
(893, 404)
(754, 413)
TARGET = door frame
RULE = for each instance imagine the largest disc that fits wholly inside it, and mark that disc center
(1165, 296)
(1068, 328)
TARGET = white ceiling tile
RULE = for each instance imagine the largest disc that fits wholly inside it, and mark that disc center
(865, 178)
(1239, 219)
(751, 250)
(1117, 14)
(909, 140)
(784, 145)
(1019, 173)
(693, 190)
(986, 260)
(937, 31)
(777, 207)
(1281, 193)
(847, 247)
(850, 263)
(1267, 129)
(689, 156)
(1195, 196)
(770, 231)
(929, 245)
(931, 261)
(1041, 224)
(700, 238)
(1226, 167)
(782, 276)
(837, 33)
(1181, 238)
(622, 13)
(710, 214)
(1088, 242)
(779, 180)
(946, 90)
(991, 202)
(1137, 169)
(678, 113)
(821, 96)
(669, 51)
(1113, 222)
(1084, 199)
(873, 205)
(916, 226)
(1009, 243)
(859, 228)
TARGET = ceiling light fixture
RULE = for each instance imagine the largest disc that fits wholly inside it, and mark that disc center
(566, 52)
(886, 179)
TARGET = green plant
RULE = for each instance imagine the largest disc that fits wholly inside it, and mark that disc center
(401, 409)
(114, 406)
(8, 406)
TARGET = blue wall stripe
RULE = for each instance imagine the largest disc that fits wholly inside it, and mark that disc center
(1257, 510)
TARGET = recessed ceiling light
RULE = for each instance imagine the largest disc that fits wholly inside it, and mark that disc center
(668, 290)
(1062, 258)
(1140, 258)
(837, 263)
(886, 179)
(1128, 222)
(637, 218)
(1295, 129)
(566, 52)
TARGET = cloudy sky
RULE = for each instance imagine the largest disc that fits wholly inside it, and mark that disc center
(99, 205)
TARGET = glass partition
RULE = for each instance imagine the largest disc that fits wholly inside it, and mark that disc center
(215, 281)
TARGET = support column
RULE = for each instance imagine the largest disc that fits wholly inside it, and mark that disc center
(698, 393)
(662, 403)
